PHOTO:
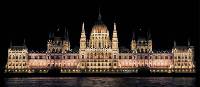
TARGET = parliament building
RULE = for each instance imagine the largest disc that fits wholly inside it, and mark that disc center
(99, 53)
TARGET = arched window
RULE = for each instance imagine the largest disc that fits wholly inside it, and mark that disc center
(53, 51)
(155, 57)
(10, 57)
(130, 57)
(166, 57)
(56, 50)
(119, 57)
(142, 51)
(145, 57)
(138, 50)
(114, 56)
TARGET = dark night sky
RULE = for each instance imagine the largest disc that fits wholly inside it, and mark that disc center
(167, 20)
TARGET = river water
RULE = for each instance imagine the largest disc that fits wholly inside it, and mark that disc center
(100, 82)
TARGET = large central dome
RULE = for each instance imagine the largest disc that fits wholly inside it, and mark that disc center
(99, 28)
(99, 37)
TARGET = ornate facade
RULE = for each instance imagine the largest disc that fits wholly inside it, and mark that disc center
(99, 53)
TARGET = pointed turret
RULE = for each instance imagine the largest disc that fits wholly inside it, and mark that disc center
(50, 35)
(66, 36)
(149, 35)
(66, 42)
(174, 43)
(115, 39)
(114, 31)
(83, 30)
(188, 42)
(58, 28)
(133, 37)
(133, 43)
(24, 42)
(83, 38)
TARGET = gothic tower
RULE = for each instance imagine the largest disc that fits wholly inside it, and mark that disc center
(66, 42)
(115, 39)
(83, 38)
(149, 41)
(133, 43)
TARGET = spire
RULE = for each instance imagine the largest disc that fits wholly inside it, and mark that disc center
(133, 38)
(50, 35)
(148, 34)
(115, 39)
(114, 31)
(174, 43)
(58, 28)
(66, 35)
(24, 41)
(188, 42)
(10, 43)
(83, 31)
(115, 26)
(99, 17)
(83, 28)
(99, 21)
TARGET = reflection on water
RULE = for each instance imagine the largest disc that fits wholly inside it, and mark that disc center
(100, 82)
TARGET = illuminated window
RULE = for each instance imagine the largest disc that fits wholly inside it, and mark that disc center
(185, 57)
(10, 57)
(82, 56)
(110, 56)
(130, 57)
(29, 57)
(161, 57)
(52, 57)
(145, 57)
(68, 57)
(36, 57)
(40, 57)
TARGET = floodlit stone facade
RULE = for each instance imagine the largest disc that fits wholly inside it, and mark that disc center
(99, 53)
